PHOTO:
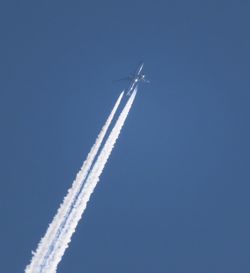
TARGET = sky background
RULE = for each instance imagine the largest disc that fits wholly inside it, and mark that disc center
(174, 197)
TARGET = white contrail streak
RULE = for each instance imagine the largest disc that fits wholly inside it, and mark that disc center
(75, 215)
(46, 244)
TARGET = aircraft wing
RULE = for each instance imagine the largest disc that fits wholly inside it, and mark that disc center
(123, 79)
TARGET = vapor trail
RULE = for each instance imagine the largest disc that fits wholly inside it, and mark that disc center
(54, 230)
(79, 207)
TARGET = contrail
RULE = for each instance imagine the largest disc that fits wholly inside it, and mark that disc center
(79, 207)
(55, 227)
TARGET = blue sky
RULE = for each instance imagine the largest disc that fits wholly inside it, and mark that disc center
(174, 197)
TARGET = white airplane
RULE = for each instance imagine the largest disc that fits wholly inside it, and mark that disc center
(135, 79)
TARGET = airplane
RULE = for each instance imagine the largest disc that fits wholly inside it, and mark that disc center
(135, 79)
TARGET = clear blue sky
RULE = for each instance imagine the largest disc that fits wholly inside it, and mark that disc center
(174, 197)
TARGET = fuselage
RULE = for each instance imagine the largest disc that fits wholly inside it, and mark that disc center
(135, 79)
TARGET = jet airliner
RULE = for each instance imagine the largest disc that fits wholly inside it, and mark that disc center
(135, 78)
